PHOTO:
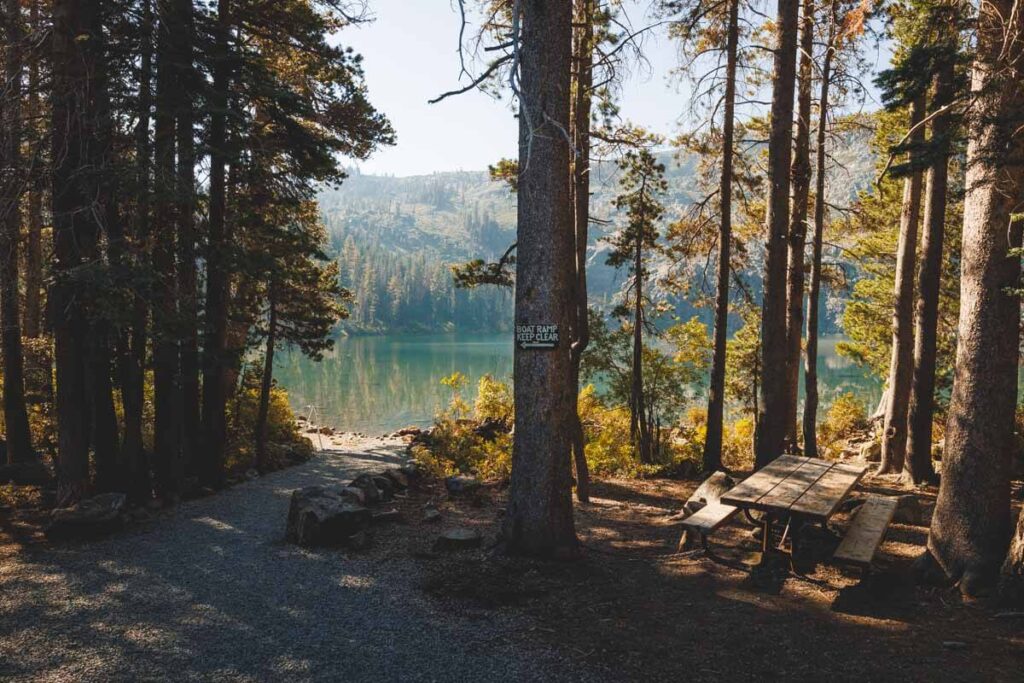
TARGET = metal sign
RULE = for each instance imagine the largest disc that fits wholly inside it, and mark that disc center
(537, 336)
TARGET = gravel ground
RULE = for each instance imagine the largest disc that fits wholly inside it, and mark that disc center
(209, 590)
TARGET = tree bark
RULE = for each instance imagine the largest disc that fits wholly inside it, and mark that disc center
(166, 388)
(638, 428)
(266, 382)
(581, 111)
(191, 425)
(19, 438)
(894, 431)
(34, 237)
(810, 417)
(539, 520)
(771, 419)
(133, 355)
(217, 278)
(918, 464)
(800, 175)
(971, 526)
(72, 70)
(712, 456)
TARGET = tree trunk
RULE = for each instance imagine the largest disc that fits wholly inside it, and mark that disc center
(133, 355)
(266, 382)
(712, 457)
(638, 418)
(19, 438)
(800, 175)
(539, 520)
(810, 418)
(771, 419)
(70, 96)
(191, 425)
(217, 277)
(894, 432)
(918, 464)
(34, 237)
(971, 526)
(581, 111)
(166, 388)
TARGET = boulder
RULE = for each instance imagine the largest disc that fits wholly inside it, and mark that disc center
(709, 492)
(354, 494)
(431, 514)
(871, 451)
(391, 515)
(458, 485)
(398, 478)
(369, 487)
(385, 486)
(910, 510)
(327, 431)
(409, 431)
(458, 538)
(89, 518)
(323, 515)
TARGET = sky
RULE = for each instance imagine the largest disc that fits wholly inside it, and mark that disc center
(409, 56)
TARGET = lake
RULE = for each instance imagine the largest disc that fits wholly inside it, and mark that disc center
(379, 384)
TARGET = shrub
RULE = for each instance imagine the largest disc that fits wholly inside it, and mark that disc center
(493, 401)
(846, 416)
(282, 429)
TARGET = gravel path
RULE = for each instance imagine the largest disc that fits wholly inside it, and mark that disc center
(211, 591)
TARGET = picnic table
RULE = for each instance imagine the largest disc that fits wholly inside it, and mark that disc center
(797, 490)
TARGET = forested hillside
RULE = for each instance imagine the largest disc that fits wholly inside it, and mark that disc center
(396, 238)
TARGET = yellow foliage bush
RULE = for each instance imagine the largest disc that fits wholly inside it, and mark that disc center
(282, 430)
(846, 416)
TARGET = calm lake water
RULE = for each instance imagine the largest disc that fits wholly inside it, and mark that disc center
(379, 384)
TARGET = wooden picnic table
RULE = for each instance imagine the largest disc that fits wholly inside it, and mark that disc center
(794, 489)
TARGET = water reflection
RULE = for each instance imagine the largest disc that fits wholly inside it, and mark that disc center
(380, 384)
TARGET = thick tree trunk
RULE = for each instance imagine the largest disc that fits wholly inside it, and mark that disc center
(712, 457)
(266, 382)
(800, 176)
(771, 419)
(19, 438)
(539, 520)
(217, 277)
(810, 417)
(186, 198)
(581, 111)
(918, 464)
(34, 236)
(971, 526)
(73, 63)
(133, 353)
(166, 387)
(894, 431)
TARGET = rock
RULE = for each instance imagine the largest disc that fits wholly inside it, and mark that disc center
(327, 431)
(954, 645)
(369, 488)
(431, 514)
(251, 474)
(910, 510)
(398, 478)
(458, 538)
(709, 492)
(391, 515)
(32, 473)
(91, 517)
(409, 431)
(354, 494)
(385, 486)
(490, 429)
(871, 451)
(322, 515)
(458, 485)
(360, 540)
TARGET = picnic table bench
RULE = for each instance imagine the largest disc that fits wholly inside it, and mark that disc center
(796, 490)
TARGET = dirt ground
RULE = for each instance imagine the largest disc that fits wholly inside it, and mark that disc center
(634, 608)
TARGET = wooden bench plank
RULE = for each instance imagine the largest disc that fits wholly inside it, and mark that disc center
(866, 532)
(709, 518)
(790, 489)
(825, 495)
(754, 487)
